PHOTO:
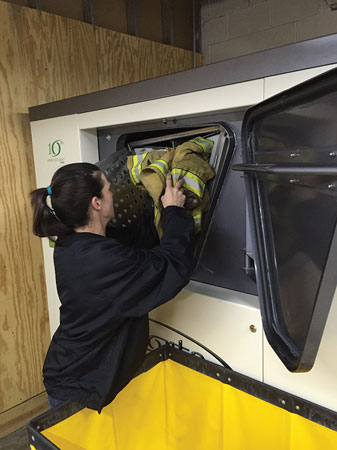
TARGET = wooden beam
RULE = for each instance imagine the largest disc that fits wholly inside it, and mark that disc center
(132, 18)
(88, 7)
(197, 26)
(36, 4)
(18, 416)
(167, 22)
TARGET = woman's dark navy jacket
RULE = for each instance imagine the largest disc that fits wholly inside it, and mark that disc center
(106, 290)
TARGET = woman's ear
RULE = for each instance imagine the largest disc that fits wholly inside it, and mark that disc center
(96, 203)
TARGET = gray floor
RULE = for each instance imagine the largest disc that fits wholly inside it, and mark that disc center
(15, 441)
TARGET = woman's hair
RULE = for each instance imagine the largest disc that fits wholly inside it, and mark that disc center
(71, 190)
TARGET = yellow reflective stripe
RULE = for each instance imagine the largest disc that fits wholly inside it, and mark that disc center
(191, 182)
(161, 165)
(205, 144)
(197, 221)
(156, 211)
(136, 166)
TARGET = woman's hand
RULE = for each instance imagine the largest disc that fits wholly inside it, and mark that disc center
(173, 195)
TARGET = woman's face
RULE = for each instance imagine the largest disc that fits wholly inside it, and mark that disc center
(107, 209)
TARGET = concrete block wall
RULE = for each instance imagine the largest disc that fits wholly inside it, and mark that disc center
(232, 28)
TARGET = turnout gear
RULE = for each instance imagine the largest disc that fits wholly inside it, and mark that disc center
(189, 160)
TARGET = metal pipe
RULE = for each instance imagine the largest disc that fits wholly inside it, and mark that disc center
(194, 43)
(287, 169)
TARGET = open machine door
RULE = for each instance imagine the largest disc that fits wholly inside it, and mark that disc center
(290, 166)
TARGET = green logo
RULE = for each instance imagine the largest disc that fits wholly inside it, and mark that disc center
(55, 148)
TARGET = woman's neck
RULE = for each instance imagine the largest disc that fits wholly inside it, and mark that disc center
(96, 228)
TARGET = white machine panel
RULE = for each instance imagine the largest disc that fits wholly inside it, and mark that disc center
(57, 142)
(278, 83)
(222, 326)
(234, 96)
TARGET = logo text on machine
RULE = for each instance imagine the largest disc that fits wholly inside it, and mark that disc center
(55, 149)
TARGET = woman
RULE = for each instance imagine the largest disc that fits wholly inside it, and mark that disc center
(106, 289)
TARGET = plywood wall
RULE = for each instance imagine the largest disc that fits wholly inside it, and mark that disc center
(149, 18)
(23, 312)
(124, 59)
(44, 57)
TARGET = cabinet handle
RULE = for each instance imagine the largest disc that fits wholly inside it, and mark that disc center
(253, 328)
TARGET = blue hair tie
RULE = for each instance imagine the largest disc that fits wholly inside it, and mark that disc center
(49, 190)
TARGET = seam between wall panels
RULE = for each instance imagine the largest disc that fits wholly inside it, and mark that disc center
(264, 89)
